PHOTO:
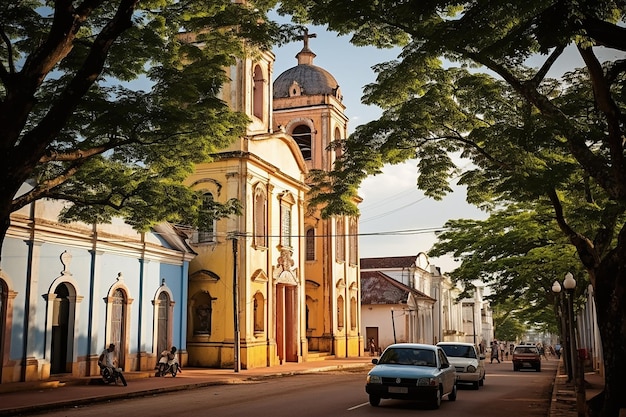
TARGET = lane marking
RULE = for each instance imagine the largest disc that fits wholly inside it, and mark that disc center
(358, 406)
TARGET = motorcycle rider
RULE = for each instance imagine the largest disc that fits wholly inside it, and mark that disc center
(169, 358)
(107, 360)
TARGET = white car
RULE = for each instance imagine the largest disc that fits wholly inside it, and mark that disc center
(414, 372)
(469, 364)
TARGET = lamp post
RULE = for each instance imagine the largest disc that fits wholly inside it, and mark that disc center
(393, 325)
(564, 316)
(569, 283)
(575, 369)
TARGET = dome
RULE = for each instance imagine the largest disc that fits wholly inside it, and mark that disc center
(306, 80)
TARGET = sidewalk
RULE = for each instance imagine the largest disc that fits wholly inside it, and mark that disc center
(29, 397)
(563, 403)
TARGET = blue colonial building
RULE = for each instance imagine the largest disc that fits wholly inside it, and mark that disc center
(68, 290)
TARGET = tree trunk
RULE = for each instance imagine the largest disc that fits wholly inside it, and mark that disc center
(610, 300)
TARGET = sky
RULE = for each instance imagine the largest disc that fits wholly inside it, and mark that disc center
(396, 218)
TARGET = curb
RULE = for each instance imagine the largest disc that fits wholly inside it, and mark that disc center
(101, 398)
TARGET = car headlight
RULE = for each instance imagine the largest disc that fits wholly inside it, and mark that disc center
(426, 382)
(471, 369)
(374, 379)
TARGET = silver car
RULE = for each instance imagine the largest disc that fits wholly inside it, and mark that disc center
(469, 364)
(410, 371)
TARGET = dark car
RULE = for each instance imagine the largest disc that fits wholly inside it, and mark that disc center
(410, 371)
(526, 356)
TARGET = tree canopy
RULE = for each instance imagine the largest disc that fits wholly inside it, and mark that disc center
(463, 86)
(108, 104)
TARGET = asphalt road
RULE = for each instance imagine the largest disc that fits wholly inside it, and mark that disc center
(505, 393)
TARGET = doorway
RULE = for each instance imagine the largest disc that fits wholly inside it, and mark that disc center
(163, 322)
(371, 336)
(60, 336)
(118, 324)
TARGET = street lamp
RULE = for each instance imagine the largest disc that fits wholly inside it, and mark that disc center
(565, 335)
(569, 283)
(393, 325)
(576, 368)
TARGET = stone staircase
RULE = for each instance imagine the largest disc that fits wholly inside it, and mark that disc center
(319, 356)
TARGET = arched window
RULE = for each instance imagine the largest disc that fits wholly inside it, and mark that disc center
(206, 234)
(354, 241)
(338, 149)
(259, 89)
(287, 201)
(302, 136)
(260, 218)
(353, 312)
(340, 240)
(259, 313)
(285, 225)
(310, 244)
(202, 313)
(340, 312)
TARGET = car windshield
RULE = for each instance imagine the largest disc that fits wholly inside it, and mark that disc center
(459, 351)
(408, 356)
(525, 349)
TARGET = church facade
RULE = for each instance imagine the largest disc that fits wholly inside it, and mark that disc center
(278, 283)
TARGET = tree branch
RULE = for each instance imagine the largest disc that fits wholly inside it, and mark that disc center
(38, 138)
(584, 246)
(606, 104)
(4, 72)
(605, 33)
(541, 74)
(42, 189)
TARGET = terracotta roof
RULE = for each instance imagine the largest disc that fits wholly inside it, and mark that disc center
(388, 262)
(378, 288)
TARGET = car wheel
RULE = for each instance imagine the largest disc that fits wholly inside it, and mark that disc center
(374, 400)
(475, 384)
(538, 368)
(482, 381)
(452, 395)
(437, 400)
(515, 368)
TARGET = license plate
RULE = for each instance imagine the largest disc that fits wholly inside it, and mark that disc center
(398, 390)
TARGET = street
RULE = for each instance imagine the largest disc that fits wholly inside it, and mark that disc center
(505, 393)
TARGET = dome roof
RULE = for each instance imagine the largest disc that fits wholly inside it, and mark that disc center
(308, 79)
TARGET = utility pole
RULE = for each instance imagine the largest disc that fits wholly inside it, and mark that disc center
(236, 346)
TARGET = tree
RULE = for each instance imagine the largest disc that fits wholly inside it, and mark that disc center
(108, 104)
(530, 138)
(518, 251)
(508, 327)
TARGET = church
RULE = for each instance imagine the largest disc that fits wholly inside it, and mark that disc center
(278, 283)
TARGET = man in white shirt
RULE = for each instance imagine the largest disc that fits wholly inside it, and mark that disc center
(107, 357)
(107, 360)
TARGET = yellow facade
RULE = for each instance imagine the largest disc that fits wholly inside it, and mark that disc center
(292, 276)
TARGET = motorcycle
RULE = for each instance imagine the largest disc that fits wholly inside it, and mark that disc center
(167, 365)
(111, 375)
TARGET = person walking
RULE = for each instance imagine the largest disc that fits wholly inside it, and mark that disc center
(495, 351)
